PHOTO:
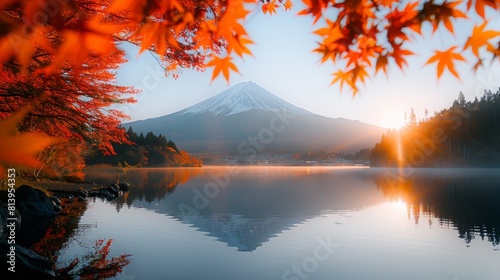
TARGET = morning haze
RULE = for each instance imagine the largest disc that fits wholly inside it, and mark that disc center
(250, 139)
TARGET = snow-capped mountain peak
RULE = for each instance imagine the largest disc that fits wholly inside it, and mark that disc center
(243, 97)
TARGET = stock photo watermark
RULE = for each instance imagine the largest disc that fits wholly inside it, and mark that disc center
(248, 148)
(11, 219)
(426, 146)
(303, 269)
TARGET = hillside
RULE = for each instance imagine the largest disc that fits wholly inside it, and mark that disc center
(145, 151)
(466, 134)
(247, 117)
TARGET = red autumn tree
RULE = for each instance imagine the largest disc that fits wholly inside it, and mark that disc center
(72, 104)
(361, 36)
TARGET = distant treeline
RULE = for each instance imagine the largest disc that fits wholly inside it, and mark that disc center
(466, 134)
(363, 154)
(146, 151)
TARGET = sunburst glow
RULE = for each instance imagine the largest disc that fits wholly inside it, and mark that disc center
(395, 120)
(399, 205)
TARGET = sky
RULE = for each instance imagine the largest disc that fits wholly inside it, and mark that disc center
(284, 64)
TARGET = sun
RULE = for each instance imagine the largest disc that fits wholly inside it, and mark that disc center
(399, 205)
(394, 120)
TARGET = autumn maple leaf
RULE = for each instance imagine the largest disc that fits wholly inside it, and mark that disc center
(382, 63)
(480, 4)
(446, 59)
(443, 12)
(239, 45)
(448, 11)
(19, 148)
(343, 78)
(270, 7)
(398, 54)
(288, 5)
(222, 65)
(480, 38)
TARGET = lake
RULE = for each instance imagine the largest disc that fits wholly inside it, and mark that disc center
(299, 223)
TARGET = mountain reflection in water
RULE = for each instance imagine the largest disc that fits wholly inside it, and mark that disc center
(246, 209)
(249, 208)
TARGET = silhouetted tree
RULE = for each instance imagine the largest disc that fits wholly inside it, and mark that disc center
(467, 133)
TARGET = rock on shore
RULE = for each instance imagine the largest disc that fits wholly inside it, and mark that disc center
(35, 214)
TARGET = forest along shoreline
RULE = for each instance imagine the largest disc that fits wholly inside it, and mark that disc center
(47, 213)
(467, 134)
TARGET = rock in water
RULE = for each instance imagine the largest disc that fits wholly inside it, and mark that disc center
(104, 192)
(113, 189)
(33, 203)
(38, 214)
(56, 200)
(124, 187)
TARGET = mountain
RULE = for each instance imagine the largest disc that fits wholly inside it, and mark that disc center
(247, 119)
(241, 98)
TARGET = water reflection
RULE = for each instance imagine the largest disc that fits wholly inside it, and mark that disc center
(466, 200)
(245, 207)
(149, 184)
(177, 223)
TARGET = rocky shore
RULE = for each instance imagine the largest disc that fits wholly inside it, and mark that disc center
(36, 212)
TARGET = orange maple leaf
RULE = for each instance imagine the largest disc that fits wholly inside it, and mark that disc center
(222, 65)
(480, 4)
(239, 45)
(19, 148)
(230, 23)
(22, 45)
(330, 34)
(314, 8)
(288, 5)
(351, 77)
(382, 63)
(398, 55)
(451, 12)
(270, 7)
(494, 51)
(359, 73)
(157, 34)
(444, 12)
(480, 38)
(343, 78)
(446, 59)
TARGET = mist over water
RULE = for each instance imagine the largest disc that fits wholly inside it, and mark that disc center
(298, 222)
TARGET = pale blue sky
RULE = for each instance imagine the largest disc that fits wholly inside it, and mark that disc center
(283, 63)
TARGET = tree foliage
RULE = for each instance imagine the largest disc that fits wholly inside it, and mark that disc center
(146, 151)
(72, 105)
(466, 134)
(64, 48)
(18, 149)
(366, 35)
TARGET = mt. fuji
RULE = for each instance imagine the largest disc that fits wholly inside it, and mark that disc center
(247, 112)
(241, 98)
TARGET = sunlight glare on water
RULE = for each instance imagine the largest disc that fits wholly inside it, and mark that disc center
(301, 223)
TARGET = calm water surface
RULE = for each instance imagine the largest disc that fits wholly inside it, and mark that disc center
(299, 223)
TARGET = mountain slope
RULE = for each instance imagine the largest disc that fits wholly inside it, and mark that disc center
(240, 98)
(247, 116)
